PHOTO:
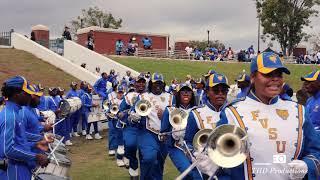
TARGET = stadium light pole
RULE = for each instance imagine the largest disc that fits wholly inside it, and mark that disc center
(208, 37)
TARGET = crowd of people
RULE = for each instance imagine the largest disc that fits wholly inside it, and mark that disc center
(309, 58)
(220, 54)
(262, 107)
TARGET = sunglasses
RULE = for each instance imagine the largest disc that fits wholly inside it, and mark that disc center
(217, 90)
(185, 92)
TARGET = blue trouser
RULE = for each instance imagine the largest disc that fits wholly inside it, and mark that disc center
(62, 129)
(131, 145)
(75, 120)
(84, 121)
(18, 171)
(153, 154)
(115, 137)
(180, 160)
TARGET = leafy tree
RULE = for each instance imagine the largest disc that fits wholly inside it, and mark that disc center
(283, 20)
(95, 17)
(202, 45)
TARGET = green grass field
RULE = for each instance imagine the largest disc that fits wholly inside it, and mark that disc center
(180, 68)
(90, 160)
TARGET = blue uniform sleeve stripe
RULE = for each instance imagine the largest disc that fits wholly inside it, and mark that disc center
(10, 149)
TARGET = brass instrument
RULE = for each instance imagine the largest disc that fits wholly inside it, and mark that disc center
(178, 119)
(226, 146)
(143, 107)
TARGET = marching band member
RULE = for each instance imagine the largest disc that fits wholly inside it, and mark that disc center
(199, 92)
(53, 105)
(81, 91)
(208, 116)
(210, 72)
(281, 135)
(100, 86)
(312, 86)
(243, 82)
(185, 100)
(153, 152)
(286, 92)
(130, 132)
(31, 119)
(43, 106)
(74, 117)
(128, 77)
(14, 145)
(115, 133)
(86, 99)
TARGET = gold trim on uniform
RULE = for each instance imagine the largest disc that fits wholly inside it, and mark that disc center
(249, 164)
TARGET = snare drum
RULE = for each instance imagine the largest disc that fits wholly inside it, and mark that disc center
(52, 172)
(63, 160)
(71, 105)
(49, 116)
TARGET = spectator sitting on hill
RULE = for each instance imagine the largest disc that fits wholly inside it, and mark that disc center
(119, 46)
(188, 51)
(198, 54)
(230, 53)
(132, 45)
(147, 43)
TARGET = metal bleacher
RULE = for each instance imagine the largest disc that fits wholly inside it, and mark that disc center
(161, 53)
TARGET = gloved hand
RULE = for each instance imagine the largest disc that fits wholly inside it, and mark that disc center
(178, 135)
(298, 169)
(134, 117)
(205, 164)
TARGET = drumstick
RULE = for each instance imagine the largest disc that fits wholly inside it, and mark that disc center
(54, 156)
(58, 122)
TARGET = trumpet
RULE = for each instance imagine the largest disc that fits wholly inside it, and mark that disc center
(226, 146)
(114, 109)
(105, 104)
(143, 107)
(178, 119)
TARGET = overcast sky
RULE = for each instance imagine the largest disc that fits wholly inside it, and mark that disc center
(231, 21)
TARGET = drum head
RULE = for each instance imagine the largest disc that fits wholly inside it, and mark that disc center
(65, 108)
(45, 176)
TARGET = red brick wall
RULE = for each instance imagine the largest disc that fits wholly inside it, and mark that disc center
(180, 45)
(105, 42)
(298, 51)
(42, 37)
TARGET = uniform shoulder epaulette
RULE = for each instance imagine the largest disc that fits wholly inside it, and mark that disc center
(235, 101)
(197, 107)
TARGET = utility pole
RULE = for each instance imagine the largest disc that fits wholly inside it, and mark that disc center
(208, 37)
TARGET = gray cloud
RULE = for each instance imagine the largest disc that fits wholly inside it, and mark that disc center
(231, 21)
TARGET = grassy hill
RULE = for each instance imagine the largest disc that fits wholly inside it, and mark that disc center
(16, 62)
(180, 68)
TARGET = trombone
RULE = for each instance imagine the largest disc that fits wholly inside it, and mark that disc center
(143, 107)
(226, 146)
(178, 119)
(114, 109)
